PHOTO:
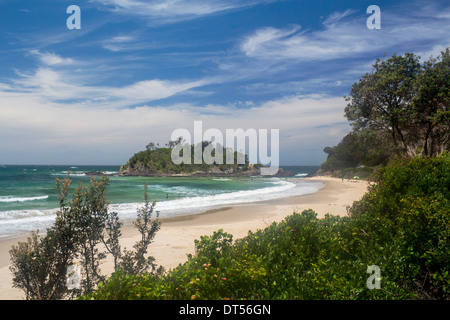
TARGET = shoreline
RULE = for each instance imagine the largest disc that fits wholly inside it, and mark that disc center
(176, 237)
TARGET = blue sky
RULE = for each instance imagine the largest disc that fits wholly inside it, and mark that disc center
(137, 70)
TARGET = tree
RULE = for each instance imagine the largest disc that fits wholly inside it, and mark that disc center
(32, 262)
(41, 264)
(136, 261)
(111, 236)
(362, 148)
(151, 146)
(431, 105)
(381, 100)
(173, 143)
(90, 209)
(406, 100)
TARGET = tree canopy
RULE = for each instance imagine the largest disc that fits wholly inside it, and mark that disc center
(406, 99)
(398, 109)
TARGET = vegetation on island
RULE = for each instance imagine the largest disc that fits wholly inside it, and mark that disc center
(401, 227)
(399, 109)
(157, 161)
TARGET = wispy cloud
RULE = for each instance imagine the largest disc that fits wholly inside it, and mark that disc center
(337, 16)
(342, 37)
(120, 43)
(55, 80)
(57, 86)
(167, 11)
(51, 59)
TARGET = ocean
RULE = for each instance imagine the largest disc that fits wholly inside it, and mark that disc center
(28, 198)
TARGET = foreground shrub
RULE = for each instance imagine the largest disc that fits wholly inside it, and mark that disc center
(43, 266)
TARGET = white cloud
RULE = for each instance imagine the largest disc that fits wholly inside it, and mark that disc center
(336, 17)
(153, 89)
(120, 43)
(261, 43)
(51, 59)
(433, 52)
(56, 80)
(342, 37)
(52, 85)
(166, 11)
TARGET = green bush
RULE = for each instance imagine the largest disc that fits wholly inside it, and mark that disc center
(412, 198)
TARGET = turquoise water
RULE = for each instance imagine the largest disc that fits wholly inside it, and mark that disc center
(28, 198)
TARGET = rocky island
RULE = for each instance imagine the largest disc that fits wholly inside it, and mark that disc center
(156, 161)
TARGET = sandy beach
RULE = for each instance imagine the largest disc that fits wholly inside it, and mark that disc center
(176, 238)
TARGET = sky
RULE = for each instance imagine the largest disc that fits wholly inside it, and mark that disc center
(135, 71)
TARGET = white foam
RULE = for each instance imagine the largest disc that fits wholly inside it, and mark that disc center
(23, 214)
(72, 173)
(198, 204)
(19, 221)
(22, 221)
(109, 172)
(79, 173)
(21, 199)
